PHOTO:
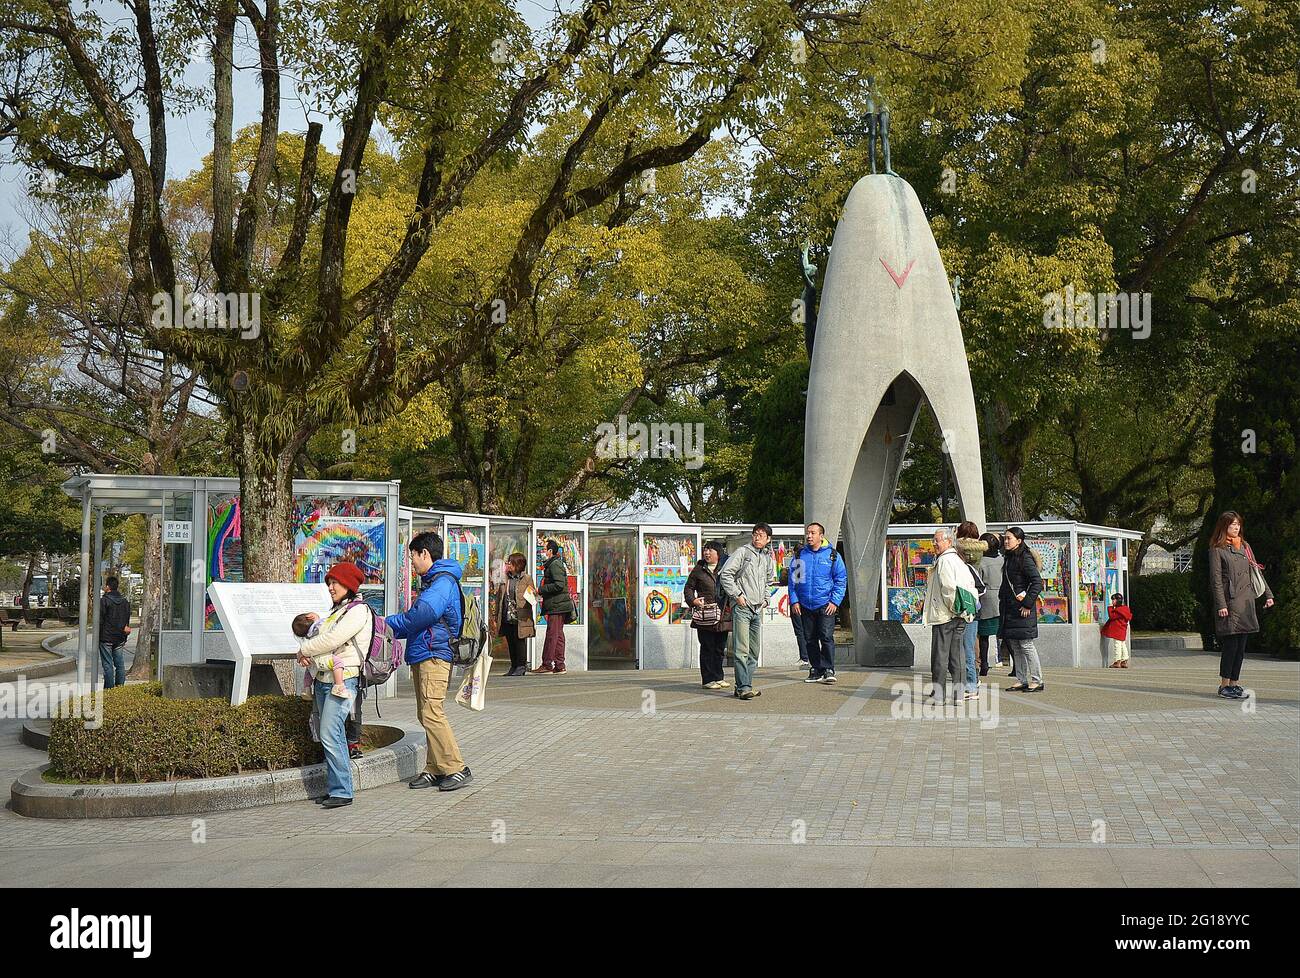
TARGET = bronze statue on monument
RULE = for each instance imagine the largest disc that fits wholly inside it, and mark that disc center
(877, 128)
(809, 298)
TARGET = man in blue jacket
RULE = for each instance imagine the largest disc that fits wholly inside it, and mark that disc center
(817, 582)
(429, 627)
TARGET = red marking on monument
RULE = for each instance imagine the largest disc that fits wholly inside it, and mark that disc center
(906, 272)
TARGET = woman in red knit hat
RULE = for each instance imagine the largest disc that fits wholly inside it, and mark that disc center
(343, 635)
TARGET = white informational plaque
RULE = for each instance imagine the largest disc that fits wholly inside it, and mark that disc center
(258, 619)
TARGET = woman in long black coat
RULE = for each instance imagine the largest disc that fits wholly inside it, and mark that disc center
(701, 590)
(1017, 600)
(1233, 597)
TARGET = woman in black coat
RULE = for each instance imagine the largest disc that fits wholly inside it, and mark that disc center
(1017, 601)
(1234, 574)
(701, 591)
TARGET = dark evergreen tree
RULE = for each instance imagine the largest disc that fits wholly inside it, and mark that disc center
(774, 485)
(1256, 430)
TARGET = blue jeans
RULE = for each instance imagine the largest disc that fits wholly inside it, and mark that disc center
(968, 638)
(796, 622)
(816, 631)
(112, 663)
(333, 736)
(745, 623)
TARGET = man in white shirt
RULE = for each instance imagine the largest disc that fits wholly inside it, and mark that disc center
(948, 597)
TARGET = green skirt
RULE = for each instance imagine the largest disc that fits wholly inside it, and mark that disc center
(988, 626)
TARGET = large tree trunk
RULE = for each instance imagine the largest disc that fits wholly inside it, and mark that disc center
(25, 602)
(266, 513)
(146, 634)
(1006, 460)
(1138, 556)
(1013, 497)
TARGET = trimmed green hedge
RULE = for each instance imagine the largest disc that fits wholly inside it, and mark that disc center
(1163, 602)
(147, 738)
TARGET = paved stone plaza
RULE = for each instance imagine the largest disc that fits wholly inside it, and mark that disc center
(583, 784)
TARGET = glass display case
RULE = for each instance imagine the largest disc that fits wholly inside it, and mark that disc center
(573, 550)
(1053, 553)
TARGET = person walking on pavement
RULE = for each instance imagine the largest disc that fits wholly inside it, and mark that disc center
(1022, 582)
(746, 579)
(429, 627)
(710, 614)
(557, 608)
(816, 589)
(334, 650)
(1236, 583)
(991, 571)
(114, 627)
(801, 643)
(513, 620)
(971, 548)
(1115, 631)
(949, 604)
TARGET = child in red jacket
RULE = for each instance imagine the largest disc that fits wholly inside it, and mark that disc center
(1116, 631)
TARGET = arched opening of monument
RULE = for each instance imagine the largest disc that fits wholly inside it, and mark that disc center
(869, 503)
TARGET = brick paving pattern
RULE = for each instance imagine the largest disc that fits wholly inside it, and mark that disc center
(809, 785)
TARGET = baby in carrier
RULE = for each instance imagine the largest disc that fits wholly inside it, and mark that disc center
(307, 625)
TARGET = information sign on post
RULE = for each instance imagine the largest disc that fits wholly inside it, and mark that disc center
(257, 620)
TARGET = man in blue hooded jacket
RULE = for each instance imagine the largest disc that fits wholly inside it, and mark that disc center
(817, 585)
(429, 627)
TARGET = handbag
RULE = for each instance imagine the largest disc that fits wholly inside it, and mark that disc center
(706, 616)
(473, 688)
(511, 603)
(1256, 575)
(1257, 581)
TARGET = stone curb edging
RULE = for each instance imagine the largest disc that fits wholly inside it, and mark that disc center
(36, 734)
(34, 797)
(59, 639)
(41, 670)
(1185, 643)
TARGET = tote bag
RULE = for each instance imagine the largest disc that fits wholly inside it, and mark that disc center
(473, 688)
(1256, 575)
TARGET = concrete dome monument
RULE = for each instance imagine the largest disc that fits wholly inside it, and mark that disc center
(887, 338)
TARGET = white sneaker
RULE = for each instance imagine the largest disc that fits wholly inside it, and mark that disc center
(723, 684)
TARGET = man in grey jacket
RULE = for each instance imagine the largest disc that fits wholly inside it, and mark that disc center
(746, 579)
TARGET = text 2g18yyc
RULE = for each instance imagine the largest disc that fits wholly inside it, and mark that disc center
(1185, 920)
